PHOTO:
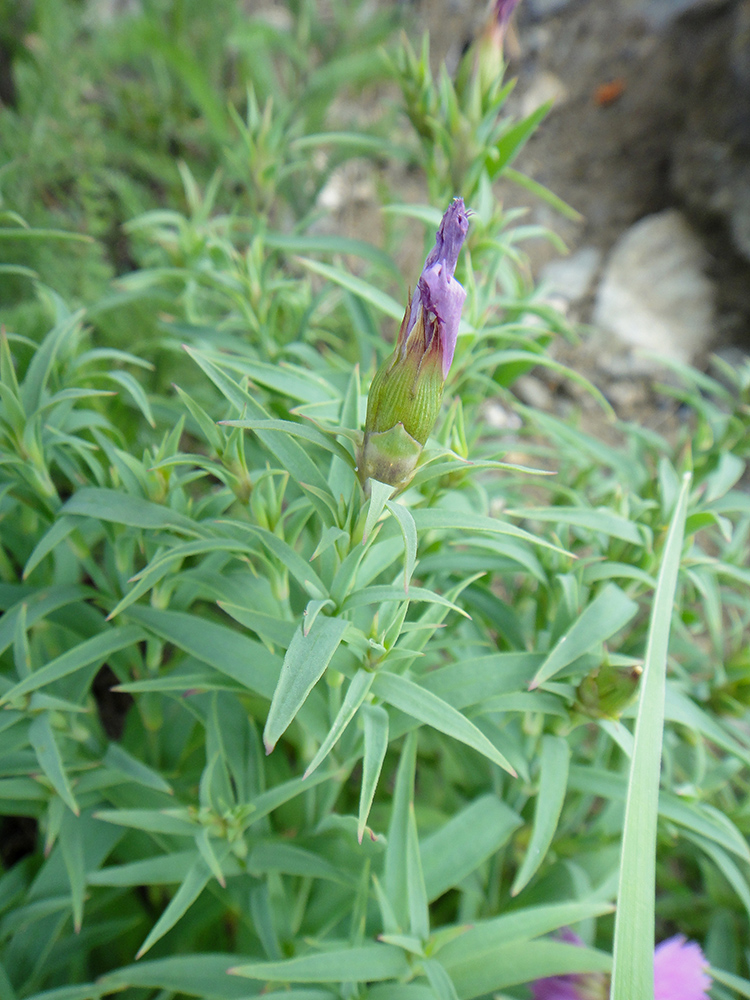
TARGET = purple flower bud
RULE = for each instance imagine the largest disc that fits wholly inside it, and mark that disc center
(438, 294)
(405, 395)
(503, 11)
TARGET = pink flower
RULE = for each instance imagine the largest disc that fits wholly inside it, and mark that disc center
(680, 970)
(679, 974)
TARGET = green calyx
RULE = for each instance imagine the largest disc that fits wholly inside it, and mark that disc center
(389, 456)
(408, 387)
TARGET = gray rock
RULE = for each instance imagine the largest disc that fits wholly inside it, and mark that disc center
(571, 278)
(654, 293)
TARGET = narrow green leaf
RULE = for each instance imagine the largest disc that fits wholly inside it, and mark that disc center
(381, 593)
(553, 782)
(397, 991)
(93, 650)
(379, 495)
(409, 531)
(266, 802)
(437, 518)
(60, 530)
(394, 873)
(683, 710)
(43, 741)
(465, 842)
(232, 654)
(311, 612)
(133, 511)
(366, 963)
(304, 664)
(440, 981)
(699, 817)
(540, 191)
(304, 431)
(597, 520)
(89, 991)
(323, 243)
(206, 850)
(191, 887)
(355, 695)
(71, 846)
(21, 648)
(472, 681)
(736, 983)
(268, 627)
(419, 917)
(164, 869)
(135, 390)
(40, 366)
(610, 611)
(208, 428)
(425, 706)
(513, 140)
(39, 604)
(292, 456)
(381, 300)
(275, 856)
(299, 568)
(204, 976)
(633, 961)
(521, 962)
(731, 871)
(375, 722)
(152, 820)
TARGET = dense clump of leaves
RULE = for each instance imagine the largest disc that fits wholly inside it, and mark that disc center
(344, 747)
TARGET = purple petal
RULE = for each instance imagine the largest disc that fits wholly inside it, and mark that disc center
(443, 297)
(503, 11)
(556, 988)
(574, 986)
(438, 294)
(680, 970)
(450, 237)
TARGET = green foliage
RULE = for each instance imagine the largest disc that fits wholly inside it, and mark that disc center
(272, 735)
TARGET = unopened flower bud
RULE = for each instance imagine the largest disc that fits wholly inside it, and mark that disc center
(608, 691)
(406, 393)
(490, 56)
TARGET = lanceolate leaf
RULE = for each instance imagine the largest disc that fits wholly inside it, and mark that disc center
(610, 611)
(355, 695)
(304, 664)
(553, 782)
(422, 704)
(367, 963)
(191, 887)
(42, 739)
(98, 648)
(375, 722)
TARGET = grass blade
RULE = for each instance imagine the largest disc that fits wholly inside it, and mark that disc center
(633, 968)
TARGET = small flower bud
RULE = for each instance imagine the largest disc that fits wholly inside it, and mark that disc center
(608, 691)
(406, 393)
